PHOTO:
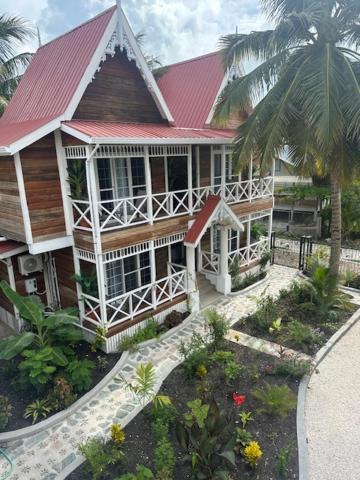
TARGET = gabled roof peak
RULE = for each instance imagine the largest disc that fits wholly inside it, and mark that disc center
(195, 59)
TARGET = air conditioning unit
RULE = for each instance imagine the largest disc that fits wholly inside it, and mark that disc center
(29, 264)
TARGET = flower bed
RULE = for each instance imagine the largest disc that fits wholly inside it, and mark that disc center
(247, 281)
(303, 317)
(227, 412)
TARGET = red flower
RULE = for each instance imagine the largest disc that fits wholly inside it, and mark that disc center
(238, 399)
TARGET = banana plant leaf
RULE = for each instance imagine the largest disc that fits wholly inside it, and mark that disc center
(12, 346)
(66, 316)
(28, 309)
(58, 357)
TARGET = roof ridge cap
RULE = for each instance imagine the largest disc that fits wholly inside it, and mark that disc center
(194, 59)
(78, 26)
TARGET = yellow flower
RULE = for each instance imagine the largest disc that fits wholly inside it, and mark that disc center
(117, 434)
(201, 371)
(252, 453)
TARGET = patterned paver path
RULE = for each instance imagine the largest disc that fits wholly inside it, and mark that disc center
(44, 456)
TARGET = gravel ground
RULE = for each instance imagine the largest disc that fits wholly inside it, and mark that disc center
(332, 412)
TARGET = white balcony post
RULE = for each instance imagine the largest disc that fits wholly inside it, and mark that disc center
(270, 229)
(189, 179)
(250, 179)
(192, 290)
(148, 185)
(152, 273)
(223, 280)
(248, 240)
(223, 172)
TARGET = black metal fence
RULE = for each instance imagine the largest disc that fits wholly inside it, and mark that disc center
(296, 253)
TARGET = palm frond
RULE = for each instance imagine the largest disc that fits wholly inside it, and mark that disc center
(351, 98)
(14, 66)
(12, 30)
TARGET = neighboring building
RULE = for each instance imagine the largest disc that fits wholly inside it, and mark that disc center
(298, 217)
(153, 201)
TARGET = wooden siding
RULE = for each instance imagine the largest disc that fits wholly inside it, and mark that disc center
(133, 235)
(161, 260)
(64, 263)
(205, 166)
(118, 93)
(69, 141)
(43, 191)
(11, 219)
(4, 302)
(157, 174)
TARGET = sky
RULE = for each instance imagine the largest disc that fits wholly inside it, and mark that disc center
(175, 29)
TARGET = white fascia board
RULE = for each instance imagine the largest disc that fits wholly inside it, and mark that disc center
(91, 68)
(49, 245)
(5, 151)
(212, 111)
(75, 133)
(153, 86)
(205, 227)
(233, 216)
(13, 252)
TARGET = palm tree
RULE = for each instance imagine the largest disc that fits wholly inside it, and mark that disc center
(305, 93)
(13, 31)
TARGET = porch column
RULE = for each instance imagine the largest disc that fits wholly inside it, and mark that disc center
(223, 171)
(152, 273)
(248, 241)
(193, 292)
(189, 179)
(250, 179)
(148, 187)
(223, 280)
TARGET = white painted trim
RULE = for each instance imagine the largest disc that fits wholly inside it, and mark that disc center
(13, 252)
(12, 283)
(153, 86)
(65, 189)
(23, 201)
(49, 245)
(223, 84)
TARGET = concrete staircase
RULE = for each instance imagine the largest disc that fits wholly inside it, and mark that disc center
(207, 291)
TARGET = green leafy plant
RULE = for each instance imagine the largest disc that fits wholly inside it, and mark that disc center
(267, 311)
(5, 411)
(79, 373)
(283, 460)
(210, 449)
(102, 363)
(197, 414)
(222, 357)
(144, 386)
(243, 437)
(56, 331)
(245, 418)
(276, 326)
(300, 335)
(149, 331)
(117, 434)
(164, 459)
(38, 409)
(100, 454)
(292, 367)
(257, 230)
(265, 259)
(276, 400)
(99, 340)
(217, 328)
(40, 365)
(194, 353)
(239, 283)
(77, 179)
(232, 371)
(88, 283)
(142, 473)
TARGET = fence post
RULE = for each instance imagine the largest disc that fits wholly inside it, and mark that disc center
(272, 247)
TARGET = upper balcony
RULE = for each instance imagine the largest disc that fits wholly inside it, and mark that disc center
(134, 185)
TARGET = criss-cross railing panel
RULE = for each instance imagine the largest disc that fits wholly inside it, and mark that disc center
(210, 262)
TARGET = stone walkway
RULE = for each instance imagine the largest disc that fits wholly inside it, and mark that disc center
(332, 412)
(44, 456)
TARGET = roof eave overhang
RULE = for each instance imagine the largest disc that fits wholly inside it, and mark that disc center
(143, 140)
(14, 251)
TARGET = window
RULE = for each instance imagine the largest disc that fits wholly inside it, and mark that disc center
(127, 274)
(277, 165)
(216, 240)
(234, 240)
(217, 169)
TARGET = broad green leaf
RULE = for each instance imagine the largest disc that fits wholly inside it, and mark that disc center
(27, 308)
(58, 357)
(62, 317)
(12, 346)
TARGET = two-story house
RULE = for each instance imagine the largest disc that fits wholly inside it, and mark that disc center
(120, 178)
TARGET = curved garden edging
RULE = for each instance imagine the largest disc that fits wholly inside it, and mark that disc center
(63, 414)
(244, 291)
(300, 414)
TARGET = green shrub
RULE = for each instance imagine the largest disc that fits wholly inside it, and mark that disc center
(5, 411)
(267, 311)
(164, 459)
(217, 328)
(100, 454)
(142, 473)
(243, 437)
(100, 338)
(239, 283)
(301, 335)
(80, 376)
(292, 367)
(194, 353)
(222, 357)
(283, 460)
(151, 330)
(166, 414)
(276, 400)
(62, 395)
(232, 371)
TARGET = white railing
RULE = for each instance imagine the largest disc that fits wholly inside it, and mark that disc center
(210, 262)
(250, 253)
(174, 267)
(138, 301)
(124, 212)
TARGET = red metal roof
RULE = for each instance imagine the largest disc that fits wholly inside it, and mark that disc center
(94, 129)
(190, 89)
(197, 228)
(52, 78)
(9, 246)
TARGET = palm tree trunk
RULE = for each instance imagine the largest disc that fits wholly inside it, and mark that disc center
(335, 225)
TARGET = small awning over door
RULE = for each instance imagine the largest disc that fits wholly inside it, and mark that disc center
(213, 210)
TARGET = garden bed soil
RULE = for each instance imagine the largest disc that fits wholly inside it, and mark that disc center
(289, 311)
(20, 399)
(272, 433)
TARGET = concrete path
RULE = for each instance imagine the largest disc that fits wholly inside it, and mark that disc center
(332, 412)
(49, 454)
